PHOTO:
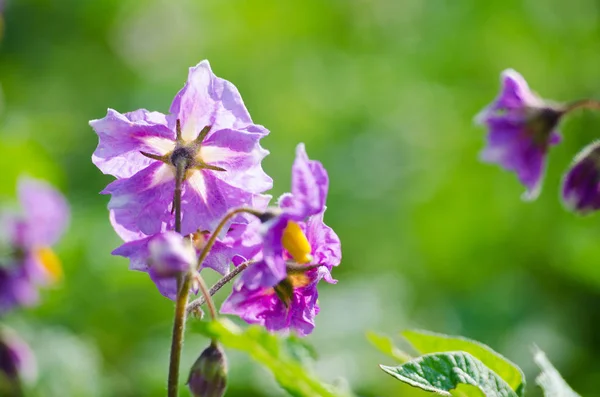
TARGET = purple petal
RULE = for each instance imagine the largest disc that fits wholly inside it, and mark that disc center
(17, 361)
(206, 199)
(581, 184)
(208, 100)
(123, 136)
(326, 246)
(254, 300)
(46, 212)
(240, 154)
(515, 92)
(514, 147)
(137, 252)
(273, 247)
(233, 248)
(142, 203)
(16, 289)
(309, 185)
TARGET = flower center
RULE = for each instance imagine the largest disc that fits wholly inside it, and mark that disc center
(186, 155)
(295, 242)
(183, 155)
(50, 262)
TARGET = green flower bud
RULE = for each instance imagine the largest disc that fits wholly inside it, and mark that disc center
(208, 376)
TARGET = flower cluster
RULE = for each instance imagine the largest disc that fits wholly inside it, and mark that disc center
(522, 128)
(190, 194)
(27, 260)
(26, 263)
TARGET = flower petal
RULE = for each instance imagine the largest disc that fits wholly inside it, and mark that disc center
(310, 184)
(326, 245)
(46, 212)
(123, 136)
(208, 100)
(240, 154)
(206, 199)
(142, 203)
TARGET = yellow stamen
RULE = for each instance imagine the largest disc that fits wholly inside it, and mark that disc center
(296, 243)
(49, 262)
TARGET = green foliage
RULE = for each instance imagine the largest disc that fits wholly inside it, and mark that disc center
(278, 354)
(428, 342)
(447, 362)
(442, 372)
(464, 390)
(550, 380)
(385, 344)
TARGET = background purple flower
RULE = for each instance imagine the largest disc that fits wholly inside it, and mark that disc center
(224, 165)
(521, 129)
(27, 237)
(581, 184)
(17, 362)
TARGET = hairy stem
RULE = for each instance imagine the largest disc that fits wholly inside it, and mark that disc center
(195, 304)
(207, 297)
(582, 104)
(215, 234)
(177, 340)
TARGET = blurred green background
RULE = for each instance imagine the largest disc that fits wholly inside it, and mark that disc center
(383, 92)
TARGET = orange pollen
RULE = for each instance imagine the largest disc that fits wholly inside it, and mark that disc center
(50, 262)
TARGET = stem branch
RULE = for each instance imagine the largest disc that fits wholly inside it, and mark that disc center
(195, 304)
(582, 104)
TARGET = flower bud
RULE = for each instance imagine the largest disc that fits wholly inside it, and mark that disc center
(581, 185)
(208, 376)
(171, 255)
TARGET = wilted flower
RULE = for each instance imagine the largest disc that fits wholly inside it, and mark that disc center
(27, 260)
(581, 184)
(298, 250)
(208, 142)
(522, 127)
(208, 376)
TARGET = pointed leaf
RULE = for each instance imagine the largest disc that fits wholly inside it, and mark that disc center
(426, 342)
(442, 372)
(550, 380)
(385, 345)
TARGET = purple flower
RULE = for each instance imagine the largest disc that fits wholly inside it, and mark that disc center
(522, 127)
(164, 255)
(208, 135)
(298, 250)
(17, 362)
(27, 237)
(581, 184)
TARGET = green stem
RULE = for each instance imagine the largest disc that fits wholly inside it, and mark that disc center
(177, 339)
(215, 234)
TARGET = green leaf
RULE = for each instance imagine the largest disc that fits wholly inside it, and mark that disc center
(271, 351)
(429, 342)
(550, 380)
(385, 344)
(463, 390)
(443, 372)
